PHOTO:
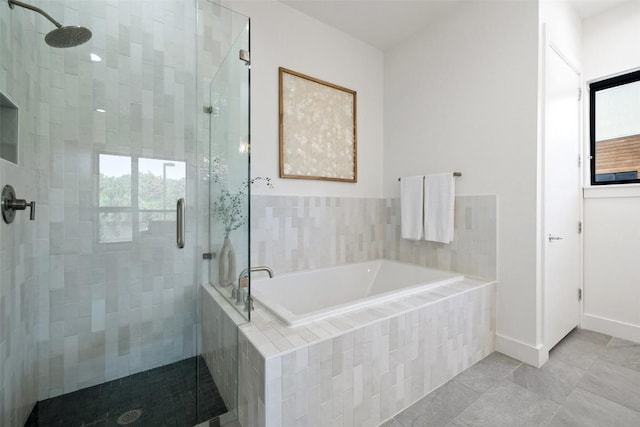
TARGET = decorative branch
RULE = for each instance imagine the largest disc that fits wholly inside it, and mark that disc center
(228, 207)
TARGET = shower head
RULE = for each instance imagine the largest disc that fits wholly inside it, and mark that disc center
(67, 36)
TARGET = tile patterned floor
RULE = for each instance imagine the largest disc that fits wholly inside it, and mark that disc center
(167, 396)
(590, 380)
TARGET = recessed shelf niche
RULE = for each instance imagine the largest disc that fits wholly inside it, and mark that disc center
(8, 130)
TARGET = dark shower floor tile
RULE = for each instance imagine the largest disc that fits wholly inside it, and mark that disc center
(167, 396)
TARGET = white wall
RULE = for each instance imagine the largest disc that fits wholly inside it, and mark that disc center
(612, 215)
(610, 42)
(563, 27)
(283, 37)
(462, 96)
(612, 245)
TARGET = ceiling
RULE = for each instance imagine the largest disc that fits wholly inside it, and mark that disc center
(385, 23)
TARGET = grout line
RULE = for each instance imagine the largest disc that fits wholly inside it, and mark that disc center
(512, 371)
(555, 413)
(480, 396)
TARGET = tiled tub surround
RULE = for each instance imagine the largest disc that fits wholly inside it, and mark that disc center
(220, 343)
(292, 233)
(362, 367)
(473, 250)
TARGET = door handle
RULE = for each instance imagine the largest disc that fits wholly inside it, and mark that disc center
(180, 223)
(552, 238)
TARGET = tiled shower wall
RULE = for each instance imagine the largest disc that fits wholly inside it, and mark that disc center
(18, 248)
(291, 233)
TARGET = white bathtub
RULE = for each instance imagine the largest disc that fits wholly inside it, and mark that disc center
(302, 297)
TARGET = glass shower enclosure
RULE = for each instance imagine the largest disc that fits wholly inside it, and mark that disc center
(106, 318)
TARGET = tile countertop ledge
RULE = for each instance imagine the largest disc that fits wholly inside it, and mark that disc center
(611, 191)
(271, 337)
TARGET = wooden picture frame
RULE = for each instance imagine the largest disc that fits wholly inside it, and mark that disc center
(318, 129)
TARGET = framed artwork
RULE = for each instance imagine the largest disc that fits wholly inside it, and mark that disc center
(317, 129)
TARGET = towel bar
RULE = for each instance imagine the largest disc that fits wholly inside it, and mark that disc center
(454, 174)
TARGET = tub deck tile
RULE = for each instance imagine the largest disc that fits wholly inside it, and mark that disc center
(369, 316)
(413, 303)
(272, 337)
(443, 292)
(340, 322)
(296, 340)
(324, 329)
(308, 334)
(383, 310)
(461, 286)
(425, 298)
(255, 335)
(325, 326)
(277, 339)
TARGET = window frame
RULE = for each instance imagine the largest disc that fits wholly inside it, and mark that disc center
(594, 87)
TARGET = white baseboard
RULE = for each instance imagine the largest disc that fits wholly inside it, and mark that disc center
(531, 355)
(616, 328)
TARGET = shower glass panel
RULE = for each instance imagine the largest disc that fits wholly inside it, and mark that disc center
(229, 170)
(223, 235)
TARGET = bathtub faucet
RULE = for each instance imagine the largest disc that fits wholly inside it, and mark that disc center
(246, 271)
(237, 291)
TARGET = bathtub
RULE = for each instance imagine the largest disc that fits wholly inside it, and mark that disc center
(302, 297)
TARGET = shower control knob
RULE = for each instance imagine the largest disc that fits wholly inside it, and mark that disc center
(10, 204)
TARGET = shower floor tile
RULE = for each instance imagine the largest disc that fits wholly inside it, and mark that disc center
(167, 396)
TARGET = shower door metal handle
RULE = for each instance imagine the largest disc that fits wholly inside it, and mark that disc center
(180, 210)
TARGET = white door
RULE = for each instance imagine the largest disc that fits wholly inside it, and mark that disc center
(561, 198)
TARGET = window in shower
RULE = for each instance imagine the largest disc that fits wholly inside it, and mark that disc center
(615, 130)
(160, 184)
(114, 206)
(138, 196)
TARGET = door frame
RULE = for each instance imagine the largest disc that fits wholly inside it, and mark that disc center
(550, 47)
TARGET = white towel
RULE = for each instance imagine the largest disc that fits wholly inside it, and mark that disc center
(411, 206)
(439, 195)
